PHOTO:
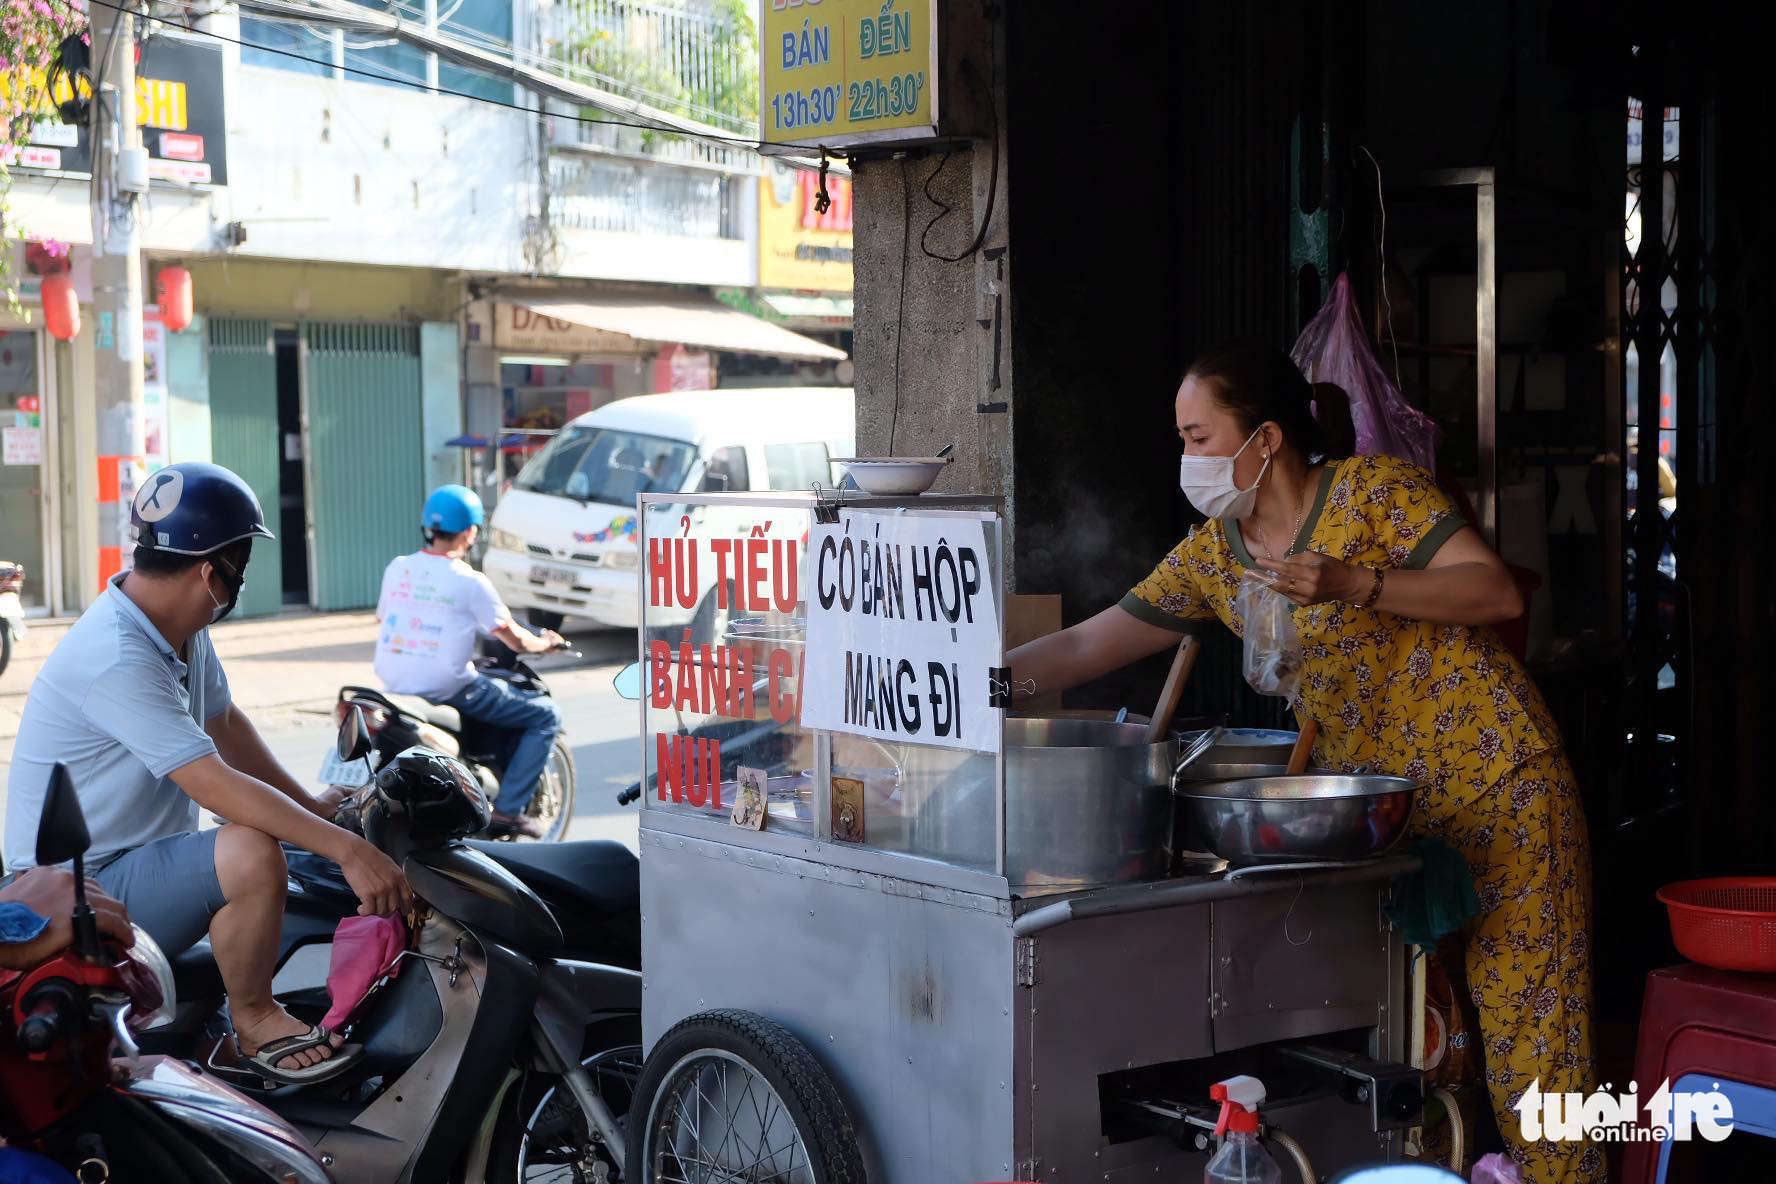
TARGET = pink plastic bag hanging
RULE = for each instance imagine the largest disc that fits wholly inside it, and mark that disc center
(1335, 348)
(1496, 1169)
(364, 949)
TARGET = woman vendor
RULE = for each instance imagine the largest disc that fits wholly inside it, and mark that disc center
(1396, 593)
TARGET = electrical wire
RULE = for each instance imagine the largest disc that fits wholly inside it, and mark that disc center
(906, 236)
(945, 210)
(1381, 261)
(742, 141)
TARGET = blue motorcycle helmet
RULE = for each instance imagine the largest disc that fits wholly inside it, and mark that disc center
(451, 509)
(194, 508)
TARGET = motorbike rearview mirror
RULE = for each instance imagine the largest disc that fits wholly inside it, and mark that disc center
(354, 737)
(62, 837)
(61, 827)
(628, 681)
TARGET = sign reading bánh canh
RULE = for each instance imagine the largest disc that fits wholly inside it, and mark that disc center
(840, 72)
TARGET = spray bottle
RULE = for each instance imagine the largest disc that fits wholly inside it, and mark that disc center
(1241, 1158)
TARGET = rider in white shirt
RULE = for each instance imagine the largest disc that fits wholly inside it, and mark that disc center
(432, 609)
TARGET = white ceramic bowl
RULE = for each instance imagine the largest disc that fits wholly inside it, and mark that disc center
(894, 476)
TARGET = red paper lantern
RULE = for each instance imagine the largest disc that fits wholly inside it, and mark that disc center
(172, 289)
(61, 307)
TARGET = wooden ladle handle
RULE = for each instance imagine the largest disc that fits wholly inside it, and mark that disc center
(1304, 744)
(1167, 706)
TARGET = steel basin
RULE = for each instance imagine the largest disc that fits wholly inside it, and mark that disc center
(1313, 816)
(1087, 802)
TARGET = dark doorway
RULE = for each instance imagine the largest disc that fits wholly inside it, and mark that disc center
(292, 528)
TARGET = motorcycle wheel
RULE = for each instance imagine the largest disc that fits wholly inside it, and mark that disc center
(542, 1136)
(5, 645)
(553, 803)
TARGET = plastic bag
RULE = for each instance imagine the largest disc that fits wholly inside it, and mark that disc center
(1496, 1169)
(1335, 348)
(1272, 646)
(364, 949)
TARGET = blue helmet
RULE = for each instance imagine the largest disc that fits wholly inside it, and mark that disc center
(193, 508)
(451, 509)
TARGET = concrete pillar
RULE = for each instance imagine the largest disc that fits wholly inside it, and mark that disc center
(933, 337)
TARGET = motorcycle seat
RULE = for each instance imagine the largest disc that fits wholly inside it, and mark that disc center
(595, 874)
(433, 713)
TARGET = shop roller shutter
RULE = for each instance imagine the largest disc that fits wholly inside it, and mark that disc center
(366, 480)
(244, 437)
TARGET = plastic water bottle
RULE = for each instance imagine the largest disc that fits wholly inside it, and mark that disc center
(1241, 1158)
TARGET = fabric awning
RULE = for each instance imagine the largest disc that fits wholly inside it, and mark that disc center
(798, 307)
(700, 321)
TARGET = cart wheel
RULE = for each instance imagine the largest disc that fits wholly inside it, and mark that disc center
(729, 1096)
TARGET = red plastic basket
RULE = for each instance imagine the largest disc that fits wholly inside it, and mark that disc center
(1728, 922)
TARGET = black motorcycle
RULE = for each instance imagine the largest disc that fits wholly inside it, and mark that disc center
(509, 1040)
(396, 723)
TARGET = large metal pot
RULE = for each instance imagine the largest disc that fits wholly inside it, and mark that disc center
(1087, 802)
(1309, 817)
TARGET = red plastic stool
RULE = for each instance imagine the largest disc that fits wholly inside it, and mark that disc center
(1705, 1023)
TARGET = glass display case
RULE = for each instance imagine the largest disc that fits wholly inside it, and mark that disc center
(725, 585)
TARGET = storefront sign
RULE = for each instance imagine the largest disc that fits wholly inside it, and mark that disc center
(179, 106)
(22, 446)
(518, 327)
(799, 246)
(838, 72)
(903, 630)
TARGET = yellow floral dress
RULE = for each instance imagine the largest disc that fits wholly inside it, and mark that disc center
(1452, 709)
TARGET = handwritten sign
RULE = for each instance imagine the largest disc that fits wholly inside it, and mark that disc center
(839, 72)
(903, 630)
(23, 446)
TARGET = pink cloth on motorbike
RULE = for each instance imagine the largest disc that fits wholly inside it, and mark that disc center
(364, 950)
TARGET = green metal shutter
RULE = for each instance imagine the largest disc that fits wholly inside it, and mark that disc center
(244, 437)
(366, 483)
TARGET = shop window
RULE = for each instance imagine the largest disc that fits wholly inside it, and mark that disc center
(727, 472)
(797, 466)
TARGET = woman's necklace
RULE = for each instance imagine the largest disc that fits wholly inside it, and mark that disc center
(1300, 516)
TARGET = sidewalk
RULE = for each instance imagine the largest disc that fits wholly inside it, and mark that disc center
(291, 661)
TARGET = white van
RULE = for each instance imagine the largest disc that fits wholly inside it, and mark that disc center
(562, 541)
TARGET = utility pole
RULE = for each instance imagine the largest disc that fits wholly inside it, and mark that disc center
(119, 177)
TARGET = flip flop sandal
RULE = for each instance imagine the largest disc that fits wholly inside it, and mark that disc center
(265, 1061)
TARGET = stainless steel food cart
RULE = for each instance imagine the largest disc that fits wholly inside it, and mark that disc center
(974, 1008)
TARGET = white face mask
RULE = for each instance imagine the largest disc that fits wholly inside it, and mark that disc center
(223, 607)
(1208, 482)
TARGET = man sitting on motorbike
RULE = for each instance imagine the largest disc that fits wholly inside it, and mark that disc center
(134, 701)
(433, 607)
